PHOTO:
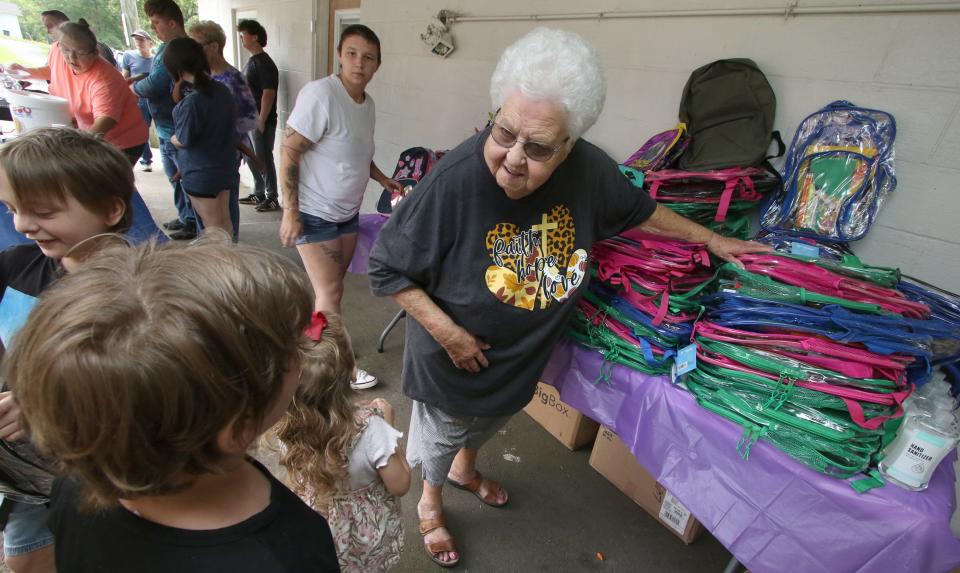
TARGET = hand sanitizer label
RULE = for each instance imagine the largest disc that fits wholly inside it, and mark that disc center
(918, 460)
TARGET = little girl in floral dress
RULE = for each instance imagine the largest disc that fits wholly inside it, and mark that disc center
(344, 458)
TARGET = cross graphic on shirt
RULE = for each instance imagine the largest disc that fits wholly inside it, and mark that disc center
(544, 227)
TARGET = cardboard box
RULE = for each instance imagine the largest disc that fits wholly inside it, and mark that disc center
(572, 428)
(613, 459)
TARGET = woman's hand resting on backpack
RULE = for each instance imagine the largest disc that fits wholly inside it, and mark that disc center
(666, 223)
(728, 248)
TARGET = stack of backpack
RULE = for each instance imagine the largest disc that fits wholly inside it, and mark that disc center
(805, 347)
(713, 167)
(642, 301)
(814, 352)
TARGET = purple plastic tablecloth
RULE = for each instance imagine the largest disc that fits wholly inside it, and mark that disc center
(370, 224)
(771, 512)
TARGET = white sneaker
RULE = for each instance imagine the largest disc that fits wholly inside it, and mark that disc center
(364, 380)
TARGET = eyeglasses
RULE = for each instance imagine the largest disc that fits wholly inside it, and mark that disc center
(534, 150)
(74, 53)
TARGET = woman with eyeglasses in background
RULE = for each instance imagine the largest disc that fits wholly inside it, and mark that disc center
(99, 99)
(490, 253)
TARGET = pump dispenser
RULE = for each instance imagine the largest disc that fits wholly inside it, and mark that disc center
(928, 433)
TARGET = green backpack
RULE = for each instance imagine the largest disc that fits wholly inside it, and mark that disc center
(729, 108)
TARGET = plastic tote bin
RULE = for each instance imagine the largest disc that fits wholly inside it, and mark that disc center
(31, 110)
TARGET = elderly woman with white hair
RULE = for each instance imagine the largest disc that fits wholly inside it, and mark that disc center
(489, 255)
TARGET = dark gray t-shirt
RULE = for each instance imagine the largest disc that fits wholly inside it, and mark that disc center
(508, 271)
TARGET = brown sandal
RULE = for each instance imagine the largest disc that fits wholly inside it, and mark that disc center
(434, 549)
(473, 486)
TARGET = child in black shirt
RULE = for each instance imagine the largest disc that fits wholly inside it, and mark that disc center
(164, 379)
(68, 192)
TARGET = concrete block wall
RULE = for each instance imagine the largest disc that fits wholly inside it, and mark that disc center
(907, 64)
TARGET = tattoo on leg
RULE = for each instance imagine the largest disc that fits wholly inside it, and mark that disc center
(333, 253)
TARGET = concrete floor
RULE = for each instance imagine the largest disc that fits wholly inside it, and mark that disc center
(561, 511)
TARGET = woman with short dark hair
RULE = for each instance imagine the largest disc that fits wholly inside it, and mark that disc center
(327, 159)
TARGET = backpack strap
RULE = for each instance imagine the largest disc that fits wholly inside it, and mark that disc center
(725, 198)
(781, 148)
(654, 187)
(856, 412)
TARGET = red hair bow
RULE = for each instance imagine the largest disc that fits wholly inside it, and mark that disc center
(318, 322)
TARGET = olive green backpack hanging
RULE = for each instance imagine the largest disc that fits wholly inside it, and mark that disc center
(729, 108)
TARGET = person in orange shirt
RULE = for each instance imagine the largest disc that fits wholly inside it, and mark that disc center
(98, 95)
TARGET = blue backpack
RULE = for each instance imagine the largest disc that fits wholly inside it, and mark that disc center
(839, 170)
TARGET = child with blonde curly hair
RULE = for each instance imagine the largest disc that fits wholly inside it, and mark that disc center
(344, 458)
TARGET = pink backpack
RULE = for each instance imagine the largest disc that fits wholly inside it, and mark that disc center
(720, 187)
(818, 279)
(412, 166)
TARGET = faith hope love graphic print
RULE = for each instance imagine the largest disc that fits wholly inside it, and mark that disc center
(535, 267)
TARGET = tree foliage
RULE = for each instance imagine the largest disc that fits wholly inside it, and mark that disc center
(103, 16)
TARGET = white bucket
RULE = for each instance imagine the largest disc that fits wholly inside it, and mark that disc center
(32, 110)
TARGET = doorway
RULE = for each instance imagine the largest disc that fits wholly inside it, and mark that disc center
(343, 13)
(240, 55)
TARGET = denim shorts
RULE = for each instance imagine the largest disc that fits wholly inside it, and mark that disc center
(26, 528)
(318, 230)
(206, 189)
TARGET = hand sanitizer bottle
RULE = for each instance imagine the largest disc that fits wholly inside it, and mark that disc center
(923, 440)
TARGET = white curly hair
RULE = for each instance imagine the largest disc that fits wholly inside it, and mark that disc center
(553, 65)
